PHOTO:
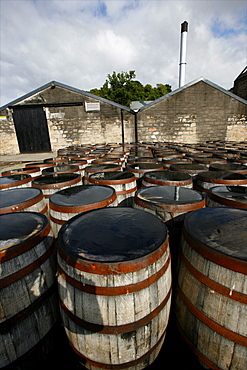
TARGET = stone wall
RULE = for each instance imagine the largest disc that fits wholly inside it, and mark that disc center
(195, 114)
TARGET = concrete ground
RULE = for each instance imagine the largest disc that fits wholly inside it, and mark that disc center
(19, 160)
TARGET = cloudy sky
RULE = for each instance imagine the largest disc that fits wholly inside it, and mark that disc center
(79, 42)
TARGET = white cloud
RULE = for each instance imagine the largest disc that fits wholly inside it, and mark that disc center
(79, 42)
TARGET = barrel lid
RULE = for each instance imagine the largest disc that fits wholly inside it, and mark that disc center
(13, 178)
(61, 168)
(235, 194)
(218, 231)
(143, 165)
(112, 235)
(18, 195)
(174, 195)
(19, 227)
(82, 195)
(168, 175)
(55, 178)
(222, 175)
(112, 175)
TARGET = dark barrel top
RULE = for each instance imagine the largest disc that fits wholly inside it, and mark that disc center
(235, 194)
(169, 195)
(18, 195)
(82, 195)
(218, 230)
(112, 234)
(112, 175)
(17, 228)
(13, 178)
(55, 179)
(167, 176)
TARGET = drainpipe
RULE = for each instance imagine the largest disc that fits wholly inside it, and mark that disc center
(183, 46)
(136, 128)
(122, 123)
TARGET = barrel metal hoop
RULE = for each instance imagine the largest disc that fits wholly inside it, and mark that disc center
(125, 365)
(226, 202)
(213, 325)
(120, 329)
(83, 208)
(213, 285)
(129, 191)
(16, 250)
(10, 279)
(22, 205)
(116, 268)
(112, 182)
(223, 260)
(60, 184)
(118, 290)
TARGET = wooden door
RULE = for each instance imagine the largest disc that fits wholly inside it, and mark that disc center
(31, 129)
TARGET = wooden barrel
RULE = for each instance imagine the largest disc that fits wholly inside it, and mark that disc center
(168, 178)
(228, 167)
(15, 181)
(29, 305)
(227, 196)
(50, 184)
(208, 161)
(166, 163)
(41, 165)
(63, 168)
(124, 183)
(191, 169)
(67, 203)
(209, 179)
(211, 294)
(93, 168)
(139, 169)
(23, 199)
(114, 281)
(32, 171)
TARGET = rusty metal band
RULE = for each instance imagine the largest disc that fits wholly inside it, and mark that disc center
(223, 260)
(6, 253)
(26, 171)
(213, 325)
(10, 279)
(213, 285)
(83, 208)
(120, 329)
(112, 182)
(43, 211)
(129, 191)
(125, 365)
(170, 207)
(116, 268)
(226, 202)
(167, 182)
(204, 359)
(16, 183)
(57, 221)
(22, 205)
(7, 325)
(58, 185)
(222, 181)
(115, 291)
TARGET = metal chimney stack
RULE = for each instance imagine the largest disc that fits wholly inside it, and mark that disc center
(183, 46)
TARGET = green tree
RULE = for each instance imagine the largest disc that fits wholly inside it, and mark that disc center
(120, 88)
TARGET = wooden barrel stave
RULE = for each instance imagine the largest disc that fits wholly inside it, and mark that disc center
(212, 315)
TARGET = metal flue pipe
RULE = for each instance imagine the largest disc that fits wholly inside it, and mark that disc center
(183, 46)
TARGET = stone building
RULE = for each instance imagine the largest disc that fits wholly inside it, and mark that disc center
(56, 116)
(240, 85)
(196, 112)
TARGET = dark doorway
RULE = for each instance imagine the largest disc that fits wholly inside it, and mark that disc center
(31, 129)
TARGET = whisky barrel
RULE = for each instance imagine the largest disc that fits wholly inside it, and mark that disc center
(32, 171)
(191, 169)
(139, 169)
(93, 168)
(169, 178)
(229, 167)
(114, 282)
(41, 165)
(29, 307)
(23, 199)
(50, 184)
(227, 196)
(209, 179)
(15, 181)
(63, 168)
(211, 292)
(166, 163)
(66, 203)
(124, 183)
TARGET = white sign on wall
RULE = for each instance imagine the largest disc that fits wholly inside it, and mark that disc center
(92, 106)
